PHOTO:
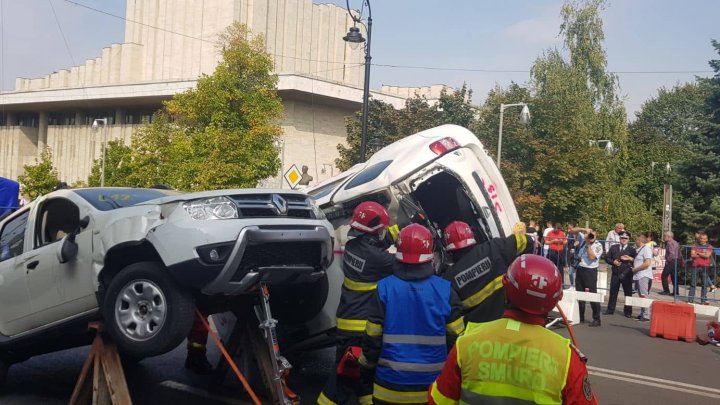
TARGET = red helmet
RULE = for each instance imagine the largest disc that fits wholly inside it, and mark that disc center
(458, 235)
(533, 284)
(414, 245)
(370, 217)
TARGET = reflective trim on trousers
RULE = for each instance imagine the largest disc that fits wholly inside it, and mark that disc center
(352, 325)
(365, 400)
(480, 296)
(402, 366)
(358, 285)
(373, 329)
(399, 397)
(323, 400)
(414, 339)
(469, 397)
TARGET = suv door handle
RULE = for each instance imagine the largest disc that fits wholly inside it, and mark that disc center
(32, 264)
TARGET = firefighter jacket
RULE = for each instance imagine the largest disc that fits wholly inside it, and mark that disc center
(365, 262)
(537, 366)
(416, 317)
(477, 276)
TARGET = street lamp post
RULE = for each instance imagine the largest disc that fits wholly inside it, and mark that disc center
(95, 124)
(524, 118)
(355, 38)
(667, 197)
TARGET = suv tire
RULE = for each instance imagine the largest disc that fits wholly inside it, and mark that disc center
(146, 312)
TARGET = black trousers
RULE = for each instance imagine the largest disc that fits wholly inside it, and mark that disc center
(586, 279)
(669, 271)
(559, 259)
(627, 286)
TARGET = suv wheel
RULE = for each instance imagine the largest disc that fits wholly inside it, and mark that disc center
(146, 312)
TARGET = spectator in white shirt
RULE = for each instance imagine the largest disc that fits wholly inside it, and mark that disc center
(613, 237)
(642, 271)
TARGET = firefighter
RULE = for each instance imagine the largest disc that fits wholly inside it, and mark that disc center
(365, 261)
(542, 366)
(478, 268)
(415, 318)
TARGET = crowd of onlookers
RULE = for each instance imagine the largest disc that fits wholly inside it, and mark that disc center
(579, 252)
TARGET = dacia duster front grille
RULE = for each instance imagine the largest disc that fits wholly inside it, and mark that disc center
(273, 205)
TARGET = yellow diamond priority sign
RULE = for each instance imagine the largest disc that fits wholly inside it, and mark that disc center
(293, 176)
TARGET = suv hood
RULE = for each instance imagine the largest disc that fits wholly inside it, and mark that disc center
(219, 193)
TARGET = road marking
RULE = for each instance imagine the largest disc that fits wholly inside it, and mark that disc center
(174, 385)
(655, 382)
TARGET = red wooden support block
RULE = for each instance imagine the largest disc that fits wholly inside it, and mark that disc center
(673, 321)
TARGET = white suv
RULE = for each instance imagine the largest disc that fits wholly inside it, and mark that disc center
(143, 259)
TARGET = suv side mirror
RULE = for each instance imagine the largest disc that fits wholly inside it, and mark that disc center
(84, 222)
(68, 249)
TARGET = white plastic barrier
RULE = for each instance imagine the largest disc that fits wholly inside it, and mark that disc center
(569, 304)
(602, 280)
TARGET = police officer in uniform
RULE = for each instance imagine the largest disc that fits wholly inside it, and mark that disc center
(478, 269)
(542, 366)
(416, 316)
(365, 261)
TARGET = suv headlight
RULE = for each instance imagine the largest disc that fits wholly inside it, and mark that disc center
(211, 208)
(319, 214)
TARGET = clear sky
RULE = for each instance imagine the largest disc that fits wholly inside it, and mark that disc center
(641, 36)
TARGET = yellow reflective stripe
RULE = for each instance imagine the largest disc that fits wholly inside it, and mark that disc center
(456, 327)
(323, 400)
(521, 243)
(373, 329)
(358, 285)
(438, 396)
(480, 296)
(399, 397)
(353, 325)
(365, 400)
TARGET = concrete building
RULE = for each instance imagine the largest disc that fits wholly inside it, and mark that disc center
(168, 44)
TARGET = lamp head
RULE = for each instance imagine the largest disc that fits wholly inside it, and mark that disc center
(354, 37)
(525, 115)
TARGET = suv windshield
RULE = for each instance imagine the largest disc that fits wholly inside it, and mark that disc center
(106, 199)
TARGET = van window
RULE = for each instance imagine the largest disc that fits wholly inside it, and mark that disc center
(13, 237)
(368, 174)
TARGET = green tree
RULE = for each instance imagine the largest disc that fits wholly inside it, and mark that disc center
(387, 125)
(220, 134)
(118, 169)
(664, 130)
(40, 178)
(576, 102)
(698, 181)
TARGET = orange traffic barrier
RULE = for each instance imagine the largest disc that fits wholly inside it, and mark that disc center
(673, 321)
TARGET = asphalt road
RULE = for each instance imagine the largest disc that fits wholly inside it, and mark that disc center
(626, 365)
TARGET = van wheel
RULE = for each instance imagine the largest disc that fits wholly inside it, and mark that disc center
(146, 312)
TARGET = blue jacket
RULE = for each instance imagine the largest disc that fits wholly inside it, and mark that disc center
(406, 335)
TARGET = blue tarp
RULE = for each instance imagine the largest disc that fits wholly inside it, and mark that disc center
(9, 195)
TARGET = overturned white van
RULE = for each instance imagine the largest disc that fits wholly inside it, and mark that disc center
(434, 177)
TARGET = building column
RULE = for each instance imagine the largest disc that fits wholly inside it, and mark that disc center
(10, 119)
(79, 118)
(119, 116)
(42, 131)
